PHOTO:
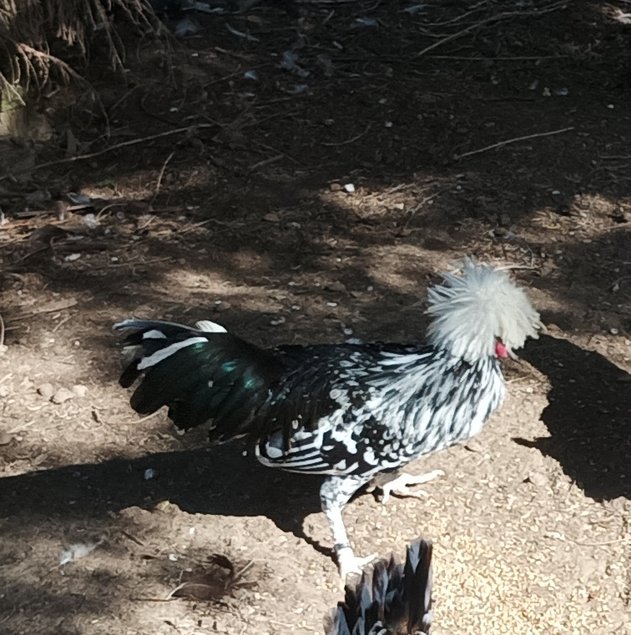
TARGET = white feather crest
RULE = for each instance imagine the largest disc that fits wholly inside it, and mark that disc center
(470, 311)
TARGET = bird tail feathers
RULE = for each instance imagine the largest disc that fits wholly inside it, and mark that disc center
(204, 375)
(393, 598)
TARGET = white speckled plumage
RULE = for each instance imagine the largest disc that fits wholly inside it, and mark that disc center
(351, 410)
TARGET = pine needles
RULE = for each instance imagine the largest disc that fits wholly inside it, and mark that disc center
(38, 37)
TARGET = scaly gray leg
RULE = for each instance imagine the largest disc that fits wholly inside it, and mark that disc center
(335, 492)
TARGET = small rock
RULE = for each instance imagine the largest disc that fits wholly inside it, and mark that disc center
(5, 438)
(473, 445)
(505, 220)
(46, 391)
(349, 187)
(272, 217)
(149, 474)
(62, 395)
(4, 391)
(335, 286)
(222, 306)
(538, 479)
(79, 390)
(335, 187)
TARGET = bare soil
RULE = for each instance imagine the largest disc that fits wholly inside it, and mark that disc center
(241, 211)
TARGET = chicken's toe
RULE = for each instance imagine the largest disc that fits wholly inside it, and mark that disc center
(351, 565)
(400, 485)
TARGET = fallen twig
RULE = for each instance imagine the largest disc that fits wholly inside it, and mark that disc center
(500, 144)
(494, 18)
(351, 140)
(132, 538)
(123, 144)
(267, 161)
(145, 418)
(161, 175)
(498, 58)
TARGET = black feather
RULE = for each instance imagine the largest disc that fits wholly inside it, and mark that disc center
(220, 377)
(393, 599)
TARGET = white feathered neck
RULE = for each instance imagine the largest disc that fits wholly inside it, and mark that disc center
(470, 311)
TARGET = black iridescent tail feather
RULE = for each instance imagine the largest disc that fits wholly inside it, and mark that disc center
(203, 376)
(394, 599)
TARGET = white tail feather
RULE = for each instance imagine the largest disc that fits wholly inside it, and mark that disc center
(209, 327)
(167, 351)
(472, 310)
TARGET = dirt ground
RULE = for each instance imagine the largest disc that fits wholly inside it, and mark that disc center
(301, 204)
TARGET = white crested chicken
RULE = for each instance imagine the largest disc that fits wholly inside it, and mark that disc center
(347, 411)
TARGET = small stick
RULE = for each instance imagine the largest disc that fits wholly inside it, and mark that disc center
(351, 140)
(153, 414)
(124, 144)
(161, 175)
(494, 18)
(132, 538)
(502, 58)
(267, 161)
(499, 144)
(62, 321)
(1, 331)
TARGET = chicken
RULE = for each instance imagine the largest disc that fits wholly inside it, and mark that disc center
(394, 599)
(347, 411)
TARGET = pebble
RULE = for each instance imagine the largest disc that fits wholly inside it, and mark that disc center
(336, 285)
(473, 445)
(5, 438)
(79, 390)
(62, 395)
(538, 479)
(46, 391)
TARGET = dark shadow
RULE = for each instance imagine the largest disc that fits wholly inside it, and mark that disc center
(588, 416)
(218, 481)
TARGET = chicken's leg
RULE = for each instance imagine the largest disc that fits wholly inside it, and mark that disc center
(398, 484)
(335, 492)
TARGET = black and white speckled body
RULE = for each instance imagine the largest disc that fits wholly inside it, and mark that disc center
(347, 411)
(378, 407)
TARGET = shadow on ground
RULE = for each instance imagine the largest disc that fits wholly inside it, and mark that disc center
(216, 481)
(588, 416)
